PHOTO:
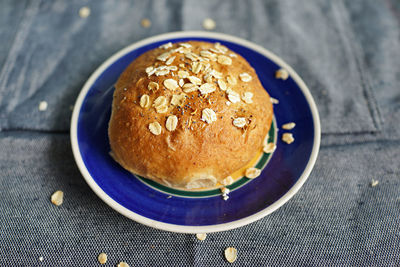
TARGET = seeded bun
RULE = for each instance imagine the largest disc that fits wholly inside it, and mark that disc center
(187, 115)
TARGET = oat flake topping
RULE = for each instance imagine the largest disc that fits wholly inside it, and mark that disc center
(252, 173)
(233, 96)
(153, 86)
(269, 148)
(208, 115)
(247, 97)
(171, 84)
(207, 88)
(155, 128)
(190, 87)
(245, 77)
(239, 122)
(224, 60)
(145, 101)
(222, 85)
(171, 123)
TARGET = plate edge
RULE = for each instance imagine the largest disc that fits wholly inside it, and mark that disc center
(194, 229)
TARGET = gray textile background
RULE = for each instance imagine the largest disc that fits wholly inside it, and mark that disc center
(347, 52)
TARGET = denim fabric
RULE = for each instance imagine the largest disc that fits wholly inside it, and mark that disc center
(346, 51)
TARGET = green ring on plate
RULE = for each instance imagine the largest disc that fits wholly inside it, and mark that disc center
(262, 162)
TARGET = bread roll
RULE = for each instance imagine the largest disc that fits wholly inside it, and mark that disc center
(187, 115)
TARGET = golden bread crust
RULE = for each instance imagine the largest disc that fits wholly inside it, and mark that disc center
(196, 149)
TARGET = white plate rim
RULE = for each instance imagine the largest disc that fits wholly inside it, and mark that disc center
(182, 228)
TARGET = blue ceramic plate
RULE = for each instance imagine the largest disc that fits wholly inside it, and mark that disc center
(284, 172)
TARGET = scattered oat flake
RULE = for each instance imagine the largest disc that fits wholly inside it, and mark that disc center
(150, 70)
(123, 264)
(171, 84)
(145, 101)
(170, 60)
(181, 82)
(160, 101)
(171, 123)
(164, 56)
(166, 46)
(84, 12)
(172, 68)
(227, 181)
(185, 45)
(201, 237)
(225, 191)
(209, 24)
(282, 74)
(208, 54)
(155, 128)
(239, 122)
(289, 126)
(196, 67)
(216, 74)
(41, 258)
(247, 97)
(189, 87)
(252, 173)
(57, 197)
(288, 138)
(269, 148)
(207, 88)
(42, 105)
(245, 77)
(153, 86)
(208, 115)
(231, 254)
(180, 50)
(205, 53)
(208, 78)
(215, 50)
(374, 183)
(183, 74)
(102, 258)
(194, 80)
(233, 96)
(222, 85)
(162, 109)
(178, 100)
(274, 100)
(220, 47)
(161, 72)
(146, 23)
(231, 80)
(192, 56)
(224, 60)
